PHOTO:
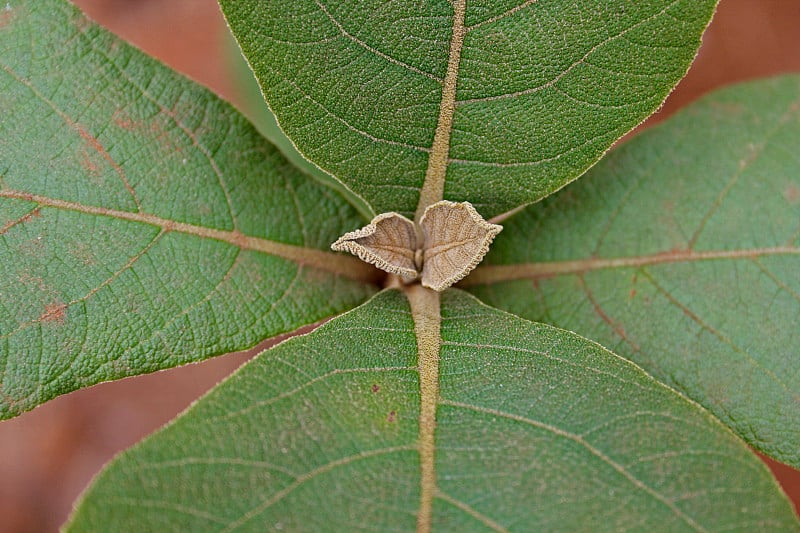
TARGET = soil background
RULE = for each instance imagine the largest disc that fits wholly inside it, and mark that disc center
(49, 455)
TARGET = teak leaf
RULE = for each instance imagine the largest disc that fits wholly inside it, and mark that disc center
(454, 239)
(681, 252)
(143, 222)
(536, 429)
(495, 103)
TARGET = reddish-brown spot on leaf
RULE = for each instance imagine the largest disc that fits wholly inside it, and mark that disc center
(88, 165)
(28, 280)
(6, 16)
(54, 312)
(153, 129)
(392, 417)
(792, 194)
(94, 144)
(123, 120)
(375, 388)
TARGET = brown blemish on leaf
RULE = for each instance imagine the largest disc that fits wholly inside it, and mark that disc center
(392, 417)
(54, 312)
(632, 294)
(153, 129)
(83, 253)
(123, 120)
(28, 280)
(792, 194)
(6, 16)
(95, 145)
(90, 166)
(375, 388)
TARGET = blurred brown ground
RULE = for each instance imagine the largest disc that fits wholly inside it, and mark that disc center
(48, 456)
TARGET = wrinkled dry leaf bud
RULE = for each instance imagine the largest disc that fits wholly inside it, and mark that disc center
(455, 237)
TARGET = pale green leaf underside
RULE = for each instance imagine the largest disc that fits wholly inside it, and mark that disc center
(681, 251)
(537, 430)
(143, 222)
(542, 88)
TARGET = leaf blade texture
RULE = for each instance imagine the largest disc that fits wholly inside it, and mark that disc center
(330, 421)
(680, 252)
(494, 103)
(143, 222)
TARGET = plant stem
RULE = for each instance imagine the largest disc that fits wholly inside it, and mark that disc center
(425, 308)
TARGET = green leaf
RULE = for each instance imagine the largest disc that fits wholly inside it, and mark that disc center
(681, 252)
(257, 112)
(495, 103)
(537, 429)
(143, 222)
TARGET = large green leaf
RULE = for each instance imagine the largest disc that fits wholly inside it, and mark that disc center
(497, 102)
(143, 222)
(537, 429)
(680, 251)
(252, 105)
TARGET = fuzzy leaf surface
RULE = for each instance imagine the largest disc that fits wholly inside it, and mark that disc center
(498, 103)
(681, 252)
(143, 222)
(537, 429)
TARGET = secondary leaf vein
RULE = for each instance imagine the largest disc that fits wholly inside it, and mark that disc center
(570, 68)
(373, 50)
(591, 449)
(342, 265)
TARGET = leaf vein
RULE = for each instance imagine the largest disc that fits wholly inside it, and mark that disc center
(309, 383)
(591, 449)
(373, 50)
(717, 333)
(309, 476)
(574, 65)
(470, 511)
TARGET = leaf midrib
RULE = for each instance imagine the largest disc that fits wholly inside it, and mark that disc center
(426, 312)
(338, 264)
(433, 187)
(489, 274)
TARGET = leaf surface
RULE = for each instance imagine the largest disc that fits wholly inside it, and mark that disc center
(681, 252)
(143, 222)
(536, 429)
(495, 103)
